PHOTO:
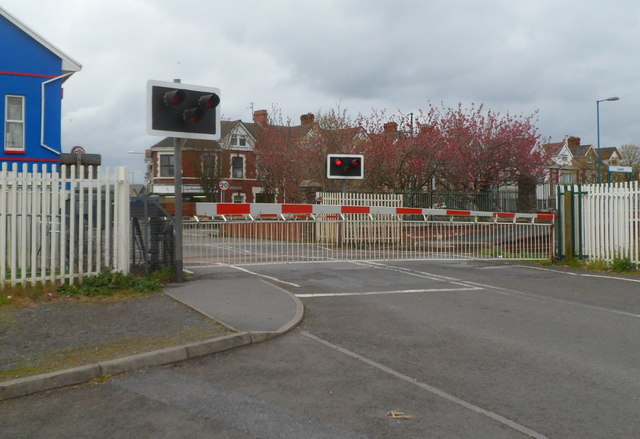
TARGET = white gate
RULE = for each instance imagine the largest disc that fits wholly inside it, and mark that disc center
(267, 233)
(59, 228)
(606, 220)
(353, 229)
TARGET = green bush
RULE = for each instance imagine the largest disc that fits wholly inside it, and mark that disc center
(622, 265)
(110, 283)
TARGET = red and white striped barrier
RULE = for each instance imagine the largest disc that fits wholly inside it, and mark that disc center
(257, 210)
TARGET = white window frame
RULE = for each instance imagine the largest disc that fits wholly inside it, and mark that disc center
(7, 121)
(160, 174)
(244, 163)
(238, 197)
(235, 141)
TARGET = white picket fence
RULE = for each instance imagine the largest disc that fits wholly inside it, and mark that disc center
(611, 221)
(353, 229)
(62, 226)
(611, 215)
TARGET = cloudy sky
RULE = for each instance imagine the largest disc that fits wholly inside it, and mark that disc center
(517, 56)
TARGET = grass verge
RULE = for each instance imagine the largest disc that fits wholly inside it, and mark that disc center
(106, 284)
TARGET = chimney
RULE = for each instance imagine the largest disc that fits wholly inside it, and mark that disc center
(307, 118)
(573, 141)
(261, 117)
(390, 127)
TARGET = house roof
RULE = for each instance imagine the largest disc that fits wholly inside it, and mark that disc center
(69, 65)
(553, 148)
(167, 142)
(579, 151)
(226, 126)
(606, 153)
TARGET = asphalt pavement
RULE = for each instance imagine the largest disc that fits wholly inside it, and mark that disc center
(452, 349)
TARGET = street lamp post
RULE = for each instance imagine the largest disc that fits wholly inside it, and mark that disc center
(615, 98)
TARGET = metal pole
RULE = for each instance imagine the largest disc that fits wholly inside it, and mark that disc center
(177, 219)
(598, 133)
(613, 98)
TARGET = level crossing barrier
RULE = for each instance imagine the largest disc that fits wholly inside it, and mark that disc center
(225, 233)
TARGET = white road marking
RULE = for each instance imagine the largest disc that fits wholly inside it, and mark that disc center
(275, 279)
(600, 276)
(411, 272)
(379, 293)
(512, 292)
(442, 394)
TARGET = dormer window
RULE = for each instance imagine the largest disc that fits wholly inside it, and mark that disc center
(564, 157)
(238, 141)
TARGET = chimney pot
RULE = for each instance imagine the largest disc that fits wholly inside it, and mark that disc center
(261, 117)
(307, 118)
(573, 141)
(390, 127)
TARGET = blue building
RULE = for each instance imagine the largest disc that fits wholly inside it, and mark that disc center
(32, 71)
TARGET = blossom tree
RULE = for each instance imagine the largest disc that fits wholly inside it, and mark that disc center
(485, 149)
(464, 149)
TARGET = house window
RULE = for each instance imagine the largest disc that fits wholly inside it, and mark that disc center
(238, 198)
(166, 165)
(240, 141)
(14, 123)
(237, 167)
(567, 178)
(264, 197)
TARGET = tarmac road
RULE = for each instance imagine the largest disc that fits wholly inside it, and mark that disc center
(452, 349)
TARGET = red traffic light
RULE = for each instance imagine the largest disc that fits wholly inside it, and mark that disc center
(173, 98)
(184, 111)
(207, 102)
(192, 115)
(345, 166)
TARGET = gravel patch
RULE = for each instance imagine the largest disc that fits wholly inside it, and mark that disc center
(49, 336)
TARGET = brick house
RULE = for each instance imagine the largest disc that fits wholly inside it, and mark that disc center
(570, 162)
(233, 159)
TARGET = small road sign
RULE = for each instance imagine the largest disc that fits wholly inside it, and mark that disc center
(223, 185)
(623, 169)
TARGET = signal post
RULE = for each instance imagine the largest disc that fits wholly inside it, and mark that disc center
(183, 112)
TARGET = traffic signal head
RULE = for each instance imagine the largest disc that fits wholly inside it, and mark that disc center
(185, 111)
(345, 166)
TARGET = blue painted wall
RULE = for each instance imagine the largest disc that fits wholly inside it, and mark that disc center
(24, 65)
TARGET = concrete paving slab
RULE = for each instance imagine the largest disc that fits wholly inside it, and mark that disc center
(246, 304)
